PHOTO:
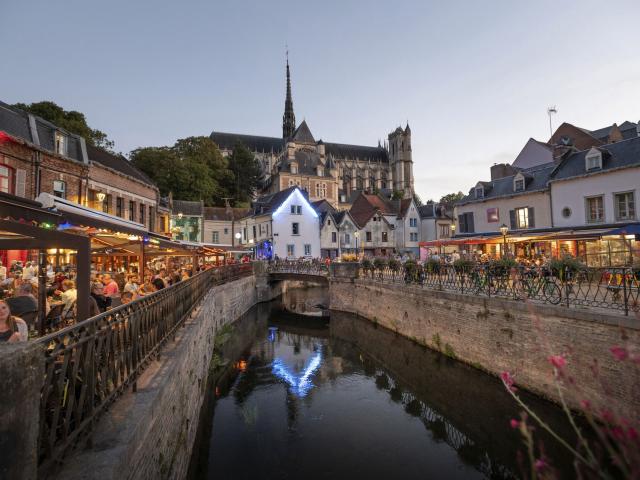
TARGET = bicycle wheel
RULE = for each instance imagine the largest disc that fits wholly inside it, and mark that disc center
(552, 293)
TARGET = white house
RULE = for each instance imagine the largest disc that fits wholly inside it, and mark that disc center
(407, 227)
(337, 235)
(285, 225)
(597, 186)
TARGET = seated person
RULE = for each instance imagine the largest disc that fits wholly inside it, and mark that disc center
(69, 294)
(126, 297)
(97, 293)
(12, 329)
(23, 301)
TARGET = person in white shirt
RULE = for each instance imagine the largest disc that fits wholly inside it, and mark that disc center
(69, 295)
(3, 272)
(28, 272)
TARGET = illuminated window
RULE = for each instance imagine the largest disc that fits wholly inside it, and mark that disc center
(6, 179)
(522, 217)
(61, 143)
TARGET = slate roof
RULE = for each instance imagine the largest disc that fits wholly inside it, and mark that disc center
(341, 150)
(271, 202)
(16, 122)
(307, 164)
(226, 141)
(117, 163)
(323, 206)
(188, 208)
(625, 153)
(225, 214)
(302, 134)
(627, 129)
(433, 210)
(537, 178)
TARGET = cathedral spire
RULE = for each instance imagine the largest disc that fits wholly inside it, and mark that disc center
(289, 118)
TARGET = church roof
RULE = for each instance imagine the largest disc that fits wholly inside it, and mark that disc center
(255, 143)
(341, 150)
(303, 134)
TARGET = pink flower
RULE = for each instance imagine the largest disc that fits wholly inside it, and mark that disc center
(621, 353)
(507, 379)
(514, 423)
(632, 434)
(540, 464)
(585, 404)
(557, 361)
(617, 433)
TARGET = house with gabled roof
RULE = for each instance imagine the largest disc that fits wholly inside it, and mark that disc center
(598, 185)
(283, 224)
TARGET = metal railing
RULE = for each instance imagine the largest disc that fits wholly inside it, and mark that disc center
(607, 288)
(306, 267)
(89, 364)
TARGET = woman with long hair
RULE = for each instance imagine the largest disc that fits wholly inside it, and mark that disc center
(12, 329)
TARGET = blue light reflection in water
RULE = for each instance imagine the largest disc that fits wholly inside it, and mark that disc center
(300, 384)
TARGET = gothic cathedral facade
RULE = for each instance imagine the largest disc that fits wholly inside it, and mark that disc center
(334, 172)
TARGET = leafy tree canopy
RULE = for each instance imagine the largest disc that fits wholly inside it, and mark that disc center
(451, 198)
(194, 169)
(70, 120)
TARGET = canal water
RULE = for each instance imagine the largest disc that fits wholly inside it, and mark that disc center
(311, 397)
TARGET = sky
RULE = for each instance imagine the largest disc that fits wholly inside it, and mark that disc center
(473, 79)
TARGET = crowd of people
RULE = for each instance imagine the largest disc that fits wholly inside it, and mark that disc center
(19, 285)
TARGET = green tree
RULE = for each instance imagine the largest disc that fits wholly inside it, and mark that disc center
(192, 169)
(70, 120)
(245, 175)
(451, 198)
(417, 199)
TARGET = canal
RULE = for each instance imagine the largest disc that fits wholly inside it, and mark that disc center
(293, 396)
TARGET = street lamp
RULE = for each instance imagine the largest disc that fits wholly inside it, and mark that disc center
(453, 230)
(503, 230)
(101, 196)
(180, 215)
(357, 236)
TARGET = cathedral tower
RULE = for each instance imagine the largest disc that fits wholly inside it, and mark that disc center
(401, 161)
(289, 118)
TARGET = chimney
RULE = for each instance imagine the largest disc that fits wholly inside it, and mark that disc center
(501, 170)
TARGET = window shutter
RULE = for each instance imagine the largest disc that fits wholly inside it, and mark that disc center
(470, 225)
(21, 182)
(461, 223)
(532, 220)
(512, 219)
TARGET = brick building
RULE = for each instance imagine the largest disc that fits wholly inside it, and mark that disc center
(36, 156)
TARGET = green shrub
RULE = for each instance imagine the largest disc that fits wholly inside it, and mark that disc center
(565, 267)
(394, 264)
(366, 265)
(379, 263)
(432, 265)
(463, 265)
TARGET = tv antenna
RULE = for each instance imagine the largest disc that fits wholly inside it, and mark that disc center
(551, 111)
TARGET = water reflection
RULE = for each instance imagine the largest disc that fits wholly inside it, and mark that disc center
(349, 400)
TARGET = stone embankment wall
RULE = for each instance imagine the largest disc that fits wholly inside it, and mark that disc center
(149, 434)
(499, 335)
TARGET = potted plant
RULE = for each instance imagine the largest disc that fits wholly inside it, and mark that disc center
(566, 267)
(394, 266)
(367, 266)
(410, 271)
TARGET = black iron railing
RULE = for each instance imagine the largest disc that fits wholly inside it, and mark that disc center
(89, 364)
(306, 267)
(607, 288)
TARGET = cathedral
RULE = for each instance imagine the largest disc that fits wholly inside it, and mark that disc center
(334, 172)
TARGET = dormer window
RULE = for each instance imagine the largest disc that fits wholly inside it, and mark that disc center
(61, 143)
(593, 160)
(320, 172)
(294, 168)
(518, 184)
(479, 192)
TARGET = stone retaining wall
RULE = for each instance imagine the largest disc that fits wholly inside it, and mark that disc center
(150, 434)
(499, 335)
